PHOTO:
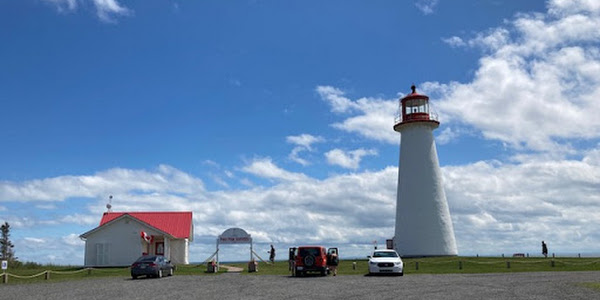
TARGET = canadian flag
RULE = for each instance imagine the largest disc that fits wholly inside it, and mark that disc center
(146, 237)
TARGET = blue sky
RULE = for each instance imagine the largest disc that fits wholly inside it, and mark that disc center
(276, 117)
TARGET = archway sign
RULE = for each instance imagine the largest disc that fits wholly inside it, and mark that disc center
(234, 236)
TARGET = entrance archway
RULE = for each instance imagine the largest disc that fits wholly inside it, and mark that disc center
(234, 235)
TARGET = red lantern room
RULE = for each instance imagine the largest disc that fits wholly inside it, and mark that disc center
(415, 108)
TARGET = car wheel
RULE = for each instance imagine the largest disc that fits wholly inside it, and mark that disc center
(160, 274)
(323, 273)
(133, 276)
(309, 260)
(171, 272)
(401, 273)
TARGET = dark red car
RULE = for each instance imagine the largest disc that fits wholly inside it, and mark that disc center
(305, 259)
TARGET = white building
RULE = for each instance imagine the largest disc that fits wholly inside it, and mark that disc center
(122, 237)
(423, 223)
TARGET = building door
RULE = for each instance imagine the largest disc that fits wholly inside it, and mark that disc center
(160, 248)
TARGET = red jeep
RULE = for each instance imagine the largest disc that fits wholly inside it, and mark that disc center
(306, 259)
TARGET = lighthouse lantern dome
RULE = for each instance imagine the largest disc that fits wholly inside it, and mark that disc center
(414, 107)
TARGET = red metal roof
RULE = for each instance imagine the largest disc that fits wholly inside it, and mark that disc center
(177, 224)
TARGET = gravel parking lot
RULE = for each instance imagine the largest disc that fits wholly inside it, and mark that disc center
(551, 285)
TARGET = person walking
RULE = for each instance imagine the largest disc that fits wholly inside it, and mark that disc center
(544, 249)
(272, 255)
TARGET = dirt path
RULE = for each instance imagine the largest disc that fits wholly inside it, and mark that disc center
(232, 269)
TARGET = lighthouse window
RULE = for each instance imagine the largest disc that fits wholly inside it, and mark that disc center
(417, 106)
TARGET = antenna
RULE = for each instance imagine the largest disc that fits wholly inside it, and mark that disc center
(109, 205)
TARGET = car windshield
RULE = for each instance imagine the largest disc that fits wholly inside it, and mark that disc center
(385, 254)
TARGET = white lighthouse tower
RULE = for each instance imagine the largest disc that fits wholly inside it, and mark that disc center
(423, 223)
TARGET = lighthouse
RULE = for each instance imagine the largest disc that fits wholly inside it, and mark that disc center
(423, 223)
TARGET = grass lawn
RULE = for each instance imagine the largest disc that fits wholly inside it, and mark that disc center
(430, 265)
(592, 285)
(445, 265)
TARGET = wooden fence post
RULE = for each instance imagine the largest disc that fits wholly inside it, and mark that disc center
(508, 264)
(417, 265)
(460, 264)
(5, 278)
(47, 275)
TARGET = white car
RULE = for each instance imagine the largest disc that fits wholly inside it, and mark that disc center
(386, 261)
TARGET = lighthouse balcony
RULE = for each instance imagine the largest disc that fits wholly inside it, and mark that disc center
(416, 117)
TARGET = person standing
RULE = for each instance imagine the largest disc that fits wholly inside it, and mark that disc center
(333, 261)
(544, 249)
(272, 255)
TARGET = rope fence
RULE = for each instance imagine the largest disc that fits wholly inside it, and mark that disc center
(46, 274)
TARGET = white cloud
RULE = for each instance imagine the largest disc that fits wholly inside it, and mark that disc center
(426, 6)
(349, 159)
(264, 167)
(537, 86)
(73, 240)
(106, 10)
(492, 40)
(454, 41)
(304, 140)
(295, 156)
(375, 116)
(336, 99)
(63, 5)
(235, 82)
(568, 7)
(447, 135)
(33, 240)
(80, 219)
(211, 163)
(304, 143)
(247, 182)
(219, 180)
(165, 179)
(517, 205)
(46, 206)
